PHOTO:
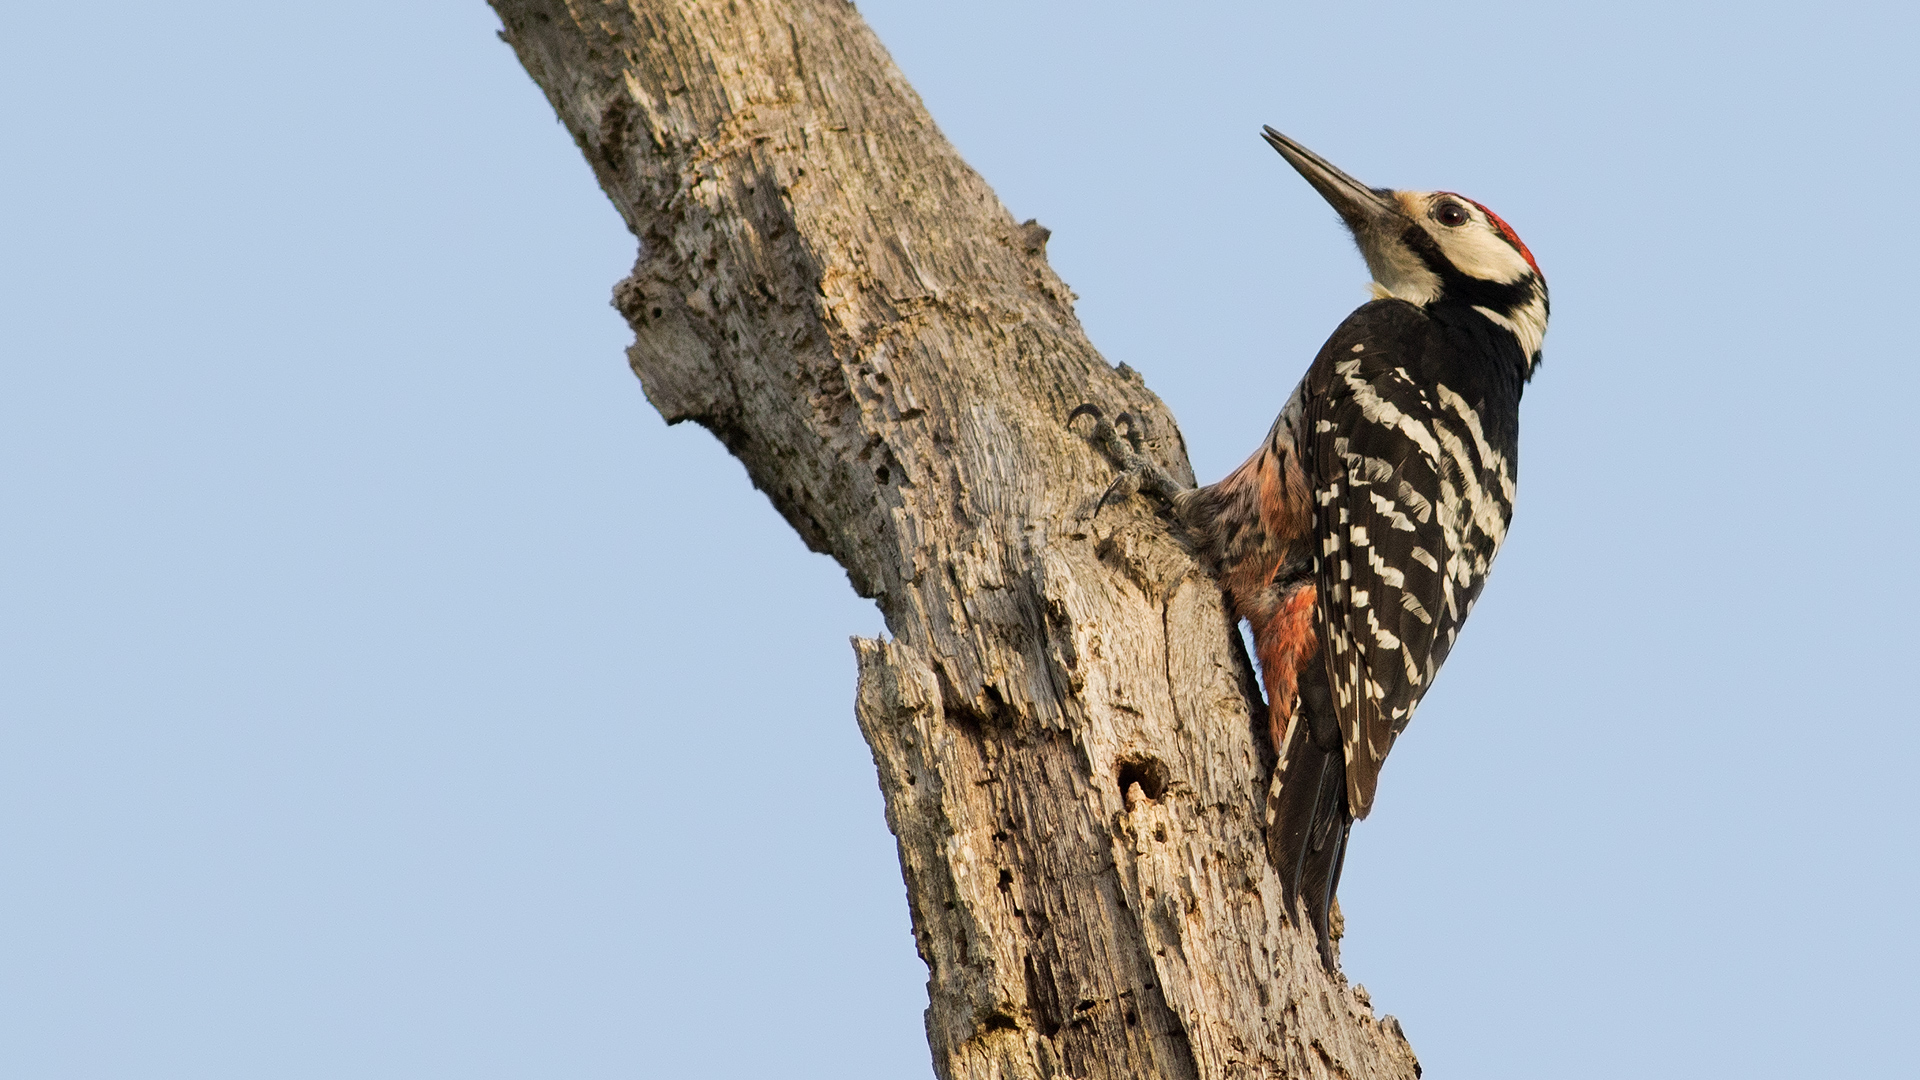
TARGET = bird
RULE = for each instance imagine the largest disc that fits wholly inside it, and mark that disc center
(1355, 540)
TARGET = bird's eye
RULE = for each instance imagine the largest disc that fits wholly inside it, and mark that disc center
(1451, 214)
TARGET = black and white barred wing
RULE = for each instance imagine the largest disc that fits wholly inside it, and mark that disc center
(1406, 531)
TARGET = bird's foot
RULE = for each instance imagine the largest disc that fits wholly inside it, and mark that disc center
(1123, 441)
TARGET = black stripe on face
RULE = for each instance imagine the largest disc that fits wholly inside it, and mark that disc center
(1503, 297)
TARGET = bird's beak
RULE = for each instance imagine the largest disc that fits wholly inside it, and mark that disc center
(1363, 208)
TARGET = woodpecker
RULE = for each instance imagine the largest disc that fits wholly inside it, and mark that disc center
(1356, 539)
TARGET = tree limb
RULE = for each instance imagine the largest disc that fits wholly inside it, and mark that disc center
(1065, 727)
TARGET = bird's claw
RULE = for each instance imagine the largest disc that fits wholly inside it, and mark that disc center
(1123, 440)
(1125, 425)
(1088, 409)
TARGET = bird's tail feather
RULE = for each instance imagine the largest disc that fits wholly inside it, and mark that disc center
(1308, 822)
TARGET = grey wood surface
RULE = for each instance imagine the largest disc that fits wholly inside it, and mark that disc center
(1064, 724)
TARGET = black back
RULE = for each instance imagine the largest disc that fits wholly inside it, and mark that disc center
(1412, 423)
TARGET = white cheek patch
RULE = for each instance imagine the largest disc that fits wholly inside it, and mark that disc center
(1477, 248)
(1479, 251)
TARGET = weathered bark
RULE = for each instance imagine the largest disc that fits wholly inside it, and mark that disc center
(1064, 724)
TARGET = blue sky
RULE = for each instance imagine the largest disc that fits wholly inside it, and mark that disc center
(361, 625)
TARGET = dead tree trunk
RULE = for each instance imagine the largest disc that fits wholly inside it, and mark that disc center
(1064, 724)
